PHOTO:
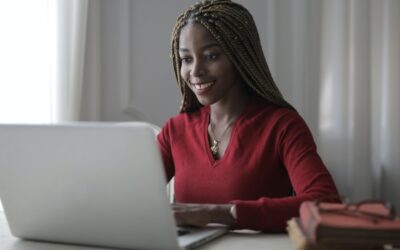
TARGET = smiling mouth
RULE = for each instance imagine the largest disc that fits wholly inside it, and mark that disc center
(200, 86)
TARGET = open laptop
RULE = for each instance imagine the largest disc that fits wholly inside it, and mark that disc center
(89, 184)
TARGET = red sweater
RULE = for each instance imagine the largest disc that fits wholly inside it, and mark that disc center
(270, 151)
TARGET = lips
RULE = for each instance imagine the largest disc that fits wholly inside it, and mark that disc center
(203, 85)
(202, 88)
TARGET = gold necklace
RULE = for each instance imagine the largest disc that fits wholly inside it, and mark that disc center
(215, 141)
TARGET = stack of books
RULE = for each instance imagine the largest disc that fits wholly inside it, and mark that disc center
(331, 226)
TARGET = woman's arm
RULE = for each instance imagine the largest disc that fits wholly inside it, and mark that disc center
(308, 175)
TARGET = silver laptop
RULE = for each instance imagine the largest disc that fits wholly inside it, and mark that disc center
(90, 184)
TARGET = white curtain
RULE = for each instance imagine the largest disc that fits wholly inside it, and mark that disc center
(69, 58)
(385, 100)
(338, 62)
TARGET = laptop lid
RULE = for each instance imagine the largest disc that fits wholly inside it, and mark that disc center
(89, 184)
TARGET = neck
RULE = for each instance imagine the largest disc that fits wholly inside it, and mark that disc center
(228, 109)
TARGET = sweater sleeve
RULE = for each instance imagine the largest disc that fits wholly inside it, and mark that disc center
(308, 175)
(164, 143)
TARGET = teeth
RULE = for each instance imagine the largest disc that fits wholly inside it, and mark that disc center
(203, 85)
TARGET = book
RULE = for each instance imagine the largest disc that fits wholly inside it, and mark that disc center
(301, 242)
(363, 223)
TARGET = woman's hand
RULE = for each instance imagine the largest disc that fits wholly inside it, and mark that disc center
(202, 214)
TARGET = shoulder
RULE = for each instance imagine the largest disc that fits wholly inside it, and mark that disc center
(266, 121)
(180, 122)
(269, 114)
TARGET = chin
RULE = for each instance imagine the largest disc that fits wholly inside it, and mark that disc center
(206, 101)
(203, 102)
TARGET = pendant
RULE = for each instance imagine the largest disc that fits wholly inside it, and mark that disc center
(215, 147)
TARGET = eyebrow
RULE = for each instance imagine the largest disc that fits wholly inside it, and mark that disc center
(207, 46)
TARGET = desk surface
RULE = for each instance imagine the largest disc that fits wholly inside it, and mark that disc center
(232, 241)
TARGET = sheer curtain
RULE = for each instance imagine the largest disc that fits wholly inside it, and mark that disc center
(24, 62)
(338, 62)
(385, 101)
(68, 52)
(43, 48)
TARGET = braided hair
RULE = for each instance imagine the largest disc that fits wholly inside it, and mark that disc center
(233, 27)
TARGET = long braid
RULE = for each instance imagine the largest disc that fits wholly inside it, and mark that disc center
(234, 29)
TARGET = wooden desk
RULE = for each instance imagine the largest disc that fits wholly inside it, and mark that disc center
(234, 240)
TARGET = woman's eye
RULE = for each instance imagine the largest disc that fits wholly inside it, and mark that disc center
(211, 56)
(185, 59)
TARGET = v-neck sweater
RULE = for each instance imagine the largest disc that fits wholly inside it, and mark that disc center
(271, 152)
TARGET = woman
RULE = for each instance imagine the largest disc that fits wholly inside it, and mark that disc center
(238, 149)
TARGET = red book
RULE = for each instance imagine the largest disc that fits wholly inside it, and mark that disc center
(367, 222)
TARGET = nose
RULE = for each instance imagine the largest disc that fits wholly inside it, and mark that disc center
(198, 68)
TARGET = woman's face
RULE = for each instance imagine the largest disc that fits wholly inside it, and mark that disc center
(204, 66)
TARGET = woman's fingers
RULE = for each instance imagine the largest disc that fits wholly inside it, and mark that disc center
(191, 214)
